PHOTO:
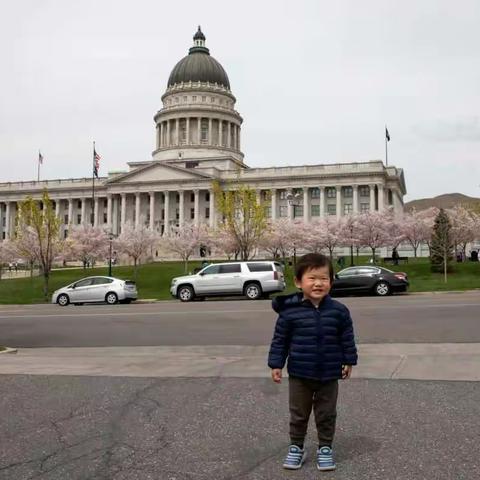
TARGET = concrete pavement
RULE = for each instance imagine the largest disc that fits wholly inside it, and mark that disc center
(452, 361)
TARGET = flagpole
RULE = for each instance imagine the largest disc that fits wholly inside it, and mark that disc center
(38, 166)
(93, 186)
(386, 147)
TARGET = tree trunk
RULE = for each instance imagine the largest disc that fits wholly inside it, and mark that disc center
(135, 269)
(445, 262)
(373, 254)
(46, 276)
(415, 251)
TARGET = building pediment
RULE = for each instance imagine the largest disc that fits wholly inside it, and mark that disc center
(158, 172)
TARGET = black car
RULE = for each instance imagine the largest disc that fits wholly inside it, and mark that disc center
(371, 279)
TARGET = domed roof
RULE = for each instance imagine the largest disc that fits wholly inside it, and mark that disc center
(199, 65)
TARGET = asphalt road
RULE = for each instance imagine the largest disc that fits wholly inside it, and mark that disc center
(99, 428)
(431, 318)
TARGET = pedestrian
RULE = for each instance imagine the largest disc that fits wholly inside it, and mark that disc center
(316, 333)
(9, 266)
(395, 256)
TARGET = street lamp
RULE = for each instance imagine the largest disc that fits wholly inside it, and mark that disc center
(111, 236)
(294, 199)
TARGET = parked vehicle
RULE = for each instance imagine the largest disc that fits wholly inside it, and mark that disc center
(369, 279)
(96, 289)
(254, 279)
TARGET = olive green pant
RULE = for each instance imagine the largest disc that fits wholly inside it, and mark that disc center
(322, 396)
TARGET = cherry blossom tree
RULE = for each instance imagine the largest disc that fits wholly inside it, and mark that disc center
(136, 243)
(464, 223)
(417, 228)
(395, 229)
(373, 230)
(185, 240)
(349, 235)
(25, 246)
(223, 242)
(277, 239)
(429, 215)
(330, 230)
(7, 253)
(87, 244)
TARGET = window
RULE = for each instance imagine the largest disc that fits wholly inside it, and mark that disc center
(185, 99)
(231, 268)
(348, 272)
(367, 271)
(177, 197)
(105, 203)
(177, 214)
(364, 191)
(194, 98)
(211, 270)
(315, 210)
(177, 99)
(65, 220)
(212, 99)
(331, 192)
(283, 211)
(268, 212)
(192, 197)
(204, 130)
(204, 99)
(331, 209)
(283, 194)
(79, 219)
(260, 267)
(364, 207)
(207, 212)
(315, 193)
(348, 192)
(101, 281)
(105, 217)
(83, 283)
(192, 213)
(65, 234)
(163, 214)
(207, 196)
(297, 211)
(79, 204)
(347, 208)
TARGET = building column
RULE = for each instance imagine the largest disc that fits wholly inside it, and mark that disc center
(109, 213)
(181, 208)
(258, 193)
(57, 207)
(220, 132)
(83, 211)
(338, 189)
(137, 208)
(8, 214)
(114, 216)
(166, 209)
(235, 137)
(152, 208)
(70, 211)
(187, 140)
(306, 204)
(199, 130)
(290, 204)
(274, 204)
(96, 221)
(123, 211)
(210, 136)
(372, 198)
(355, 199)
(381, 199)
(322, 201)
(212, 208)
(229, 135)
(197, 207)
(238, 138)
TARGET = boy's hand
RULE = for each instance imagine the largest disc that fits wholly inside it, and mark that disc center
(277, 375)
(346, 371)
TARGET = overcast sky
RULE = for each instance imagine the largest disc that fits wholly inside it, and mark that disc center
(315, 82)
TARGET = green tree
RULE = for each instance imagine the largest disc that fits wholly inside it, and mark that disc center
(38, 227)
(244, 216)
(441, 247)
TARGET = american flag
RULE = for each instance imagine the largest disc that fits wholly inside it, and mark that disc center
(40, 158)
(96, 163)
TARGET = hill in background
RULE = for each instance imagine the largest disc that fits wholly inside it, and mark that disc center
(449, 200)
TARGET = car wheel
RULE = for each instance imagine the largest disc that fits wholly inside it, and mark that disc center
(382, 289)
(63, 300)
(111, 298)
(253, 291)
(185, 293)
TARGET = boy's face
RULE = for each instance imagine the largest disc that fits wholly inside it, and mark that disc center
(315, 284)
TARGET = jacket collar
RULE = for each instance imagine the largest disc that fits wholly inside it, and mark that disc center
(283, 302)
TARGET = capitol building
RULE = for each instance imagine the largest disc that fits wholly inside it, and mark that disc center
(198, 141)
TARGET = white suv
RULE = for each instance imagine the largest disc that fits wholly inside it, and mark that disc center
(254, 279)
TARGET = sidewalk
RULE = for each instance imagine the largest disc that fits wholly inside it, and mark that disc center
(419, 361)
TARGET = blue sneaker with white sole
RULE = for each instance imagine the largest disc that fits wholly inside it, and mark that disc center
(295, 458)
(325, 459)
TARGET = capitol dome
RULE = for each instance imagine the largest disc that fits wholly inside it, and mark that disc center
(199, 66)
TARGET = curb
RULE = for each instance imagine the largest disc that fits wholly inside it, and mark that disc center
(9, 350)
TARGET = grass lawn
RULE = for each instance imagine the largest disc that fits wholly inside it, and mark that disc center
(153, 280)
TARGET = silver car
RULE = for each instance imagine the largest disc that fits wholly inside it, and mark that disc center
(96, 289)
(254, 279)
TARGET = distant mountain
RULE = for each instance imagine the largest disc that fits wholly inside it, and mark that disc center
(448, 200)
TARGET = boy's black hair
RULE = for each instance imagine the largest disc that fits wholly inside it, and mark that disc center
(313, 260)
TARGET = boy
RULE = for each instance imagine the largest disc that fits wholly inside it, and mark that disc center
(315, 332)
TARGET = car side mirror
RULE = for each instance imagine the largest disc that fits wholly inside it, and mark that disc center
(336, 276)
(201, 274)
(72, 286)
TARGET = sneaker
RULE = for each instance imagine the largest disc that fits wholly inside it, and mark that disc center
(295, 458)
(325, 459)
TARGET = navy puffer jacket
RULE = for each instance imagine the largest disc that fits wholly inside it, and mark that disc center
(317, 341)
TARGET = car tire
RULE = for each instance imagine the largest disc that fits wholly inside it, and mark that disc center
(185, 293)
(382, 289)
(253, 291)
(63, 300)
(111, 298)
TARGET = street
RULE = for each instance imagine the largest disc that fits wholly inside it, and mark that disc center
(426, 318)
